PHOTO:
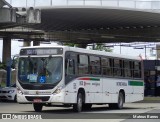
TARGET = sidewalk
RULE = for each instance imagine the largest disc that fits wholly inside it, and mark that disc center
(150, 100)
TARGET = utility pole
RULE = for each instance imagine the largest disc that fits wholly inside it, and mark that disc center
(51, 2)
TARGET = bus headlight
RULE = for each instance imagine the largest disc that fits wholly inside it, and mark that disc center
(58, 90)
(19, 91)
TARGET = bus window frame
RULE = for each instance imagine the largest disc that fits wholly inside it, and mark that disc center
(111, 59)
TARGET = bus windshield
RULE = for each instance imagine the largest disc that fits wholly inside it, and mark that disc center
(40, 70)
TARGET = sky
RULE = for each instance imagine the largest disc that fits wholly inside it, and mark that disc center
(142, 4)
(130, 51)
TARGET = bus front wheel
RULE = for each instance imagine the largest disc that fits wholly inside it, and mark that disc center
(37, 107)
(78, 106)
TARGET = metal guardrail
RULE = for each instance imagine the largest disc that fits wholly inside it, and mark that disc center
(137, 4)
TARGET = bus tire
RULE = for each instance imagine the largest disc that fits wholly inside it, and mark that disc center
(78, 106)
(37, 107)
(120, 103)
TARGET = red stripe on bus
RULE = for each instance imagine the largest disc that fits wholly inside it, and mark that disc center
(84, 79)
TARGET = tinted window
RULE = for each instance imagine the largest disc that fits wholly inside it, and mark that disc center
(70, 66)
(117, 71)
(106, 62)
(137, 70)
(127, 69)
(106, 67)
(136, 65)
(82, 64)
(94, 61)
(95, 65)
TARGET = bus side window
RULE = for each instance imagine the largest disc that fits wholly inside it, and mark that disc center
(70, 66)
(82, 64)
(117, 67)
(137, 70)
(127, 69)
(95, 65)
(106, 66)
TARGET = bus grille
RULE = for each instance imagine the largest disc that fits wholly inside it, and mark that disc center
(45, 98)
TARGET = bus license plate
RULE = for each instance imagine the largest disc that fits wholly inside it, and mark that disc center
(37, 100)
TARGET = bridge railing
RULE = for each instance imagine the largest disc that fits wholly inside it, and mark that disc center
(137, 4)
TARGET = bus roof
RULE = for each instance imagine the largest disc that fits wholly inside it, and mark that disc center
(88, 51)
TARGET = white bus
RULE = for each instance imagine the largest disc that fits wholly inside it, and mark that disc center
(68, 76)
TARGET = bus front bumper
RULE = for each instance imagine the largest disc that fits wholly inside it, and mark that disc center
(54, 98)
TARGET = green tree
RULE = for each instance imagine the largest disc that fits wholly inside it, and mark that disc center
(101, 47)
(69, 44)
(72, 45)
(97, 46)
(2, 65)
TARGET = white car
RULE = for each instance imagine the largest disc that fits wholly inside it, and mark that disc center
(8, 93)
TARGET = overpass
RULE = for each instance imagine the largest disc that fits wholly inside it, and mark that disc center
(77, 23)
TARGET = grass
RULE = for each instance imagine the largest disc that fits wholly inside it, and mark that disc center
(3, 84)
(151, 98)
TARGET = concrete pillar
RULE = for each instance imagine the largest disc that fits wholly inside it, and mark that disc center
(26, 43)
(6, 56)
(36, 43)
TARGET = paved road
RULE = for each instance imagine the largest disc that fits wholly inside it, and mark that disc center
(100, 112)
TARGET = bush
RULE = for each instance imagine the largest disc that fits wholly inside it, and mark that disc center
(2, 65)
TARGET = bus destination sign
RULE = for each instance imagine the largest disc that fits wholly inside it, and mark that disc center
(41, 51)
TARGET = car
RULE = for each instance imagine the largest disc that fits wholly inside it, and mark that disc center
(8, 93)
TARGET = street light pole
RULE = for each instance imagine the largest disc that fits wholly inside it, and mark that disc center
(51, 2)
(34, 3)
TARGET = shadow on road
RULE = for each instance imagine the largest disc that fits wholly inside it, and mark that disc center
(7, 101)
(87, 114)
(70, 110)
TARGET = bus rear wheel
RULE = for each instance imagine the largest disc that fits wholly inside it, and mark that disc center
(120, 103)
(37, 107)
(78, 106)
